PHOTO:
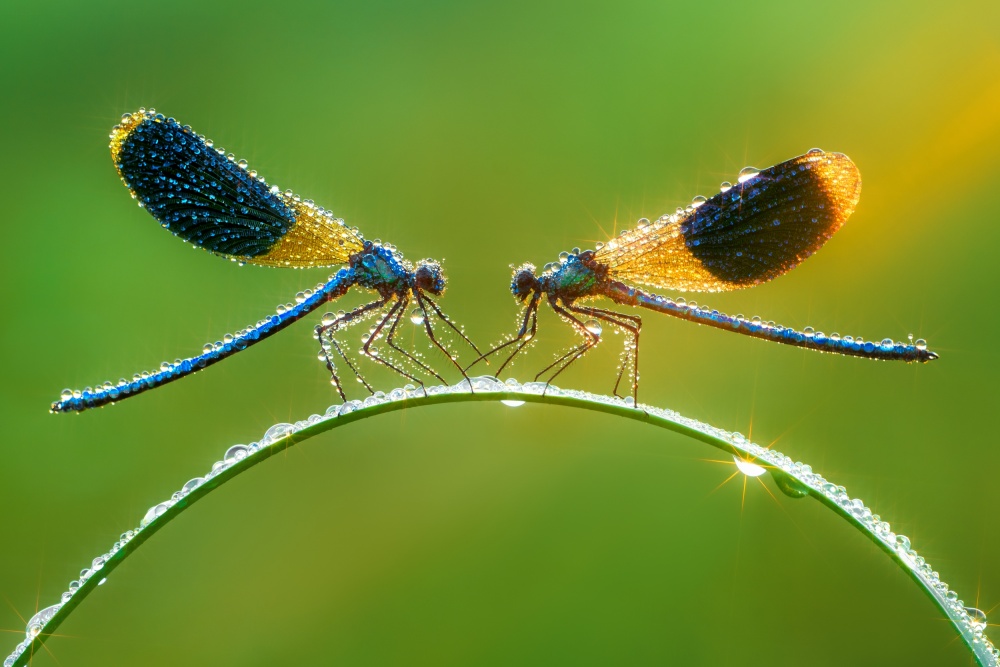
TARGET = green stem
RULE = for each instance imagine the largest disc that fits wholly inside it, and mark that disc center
(794, 479)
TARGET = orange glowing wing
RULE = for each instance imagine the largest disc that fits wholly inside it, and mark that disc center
(758, 229)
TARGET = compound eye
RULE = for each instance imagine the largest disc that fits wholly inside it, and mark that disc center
(429, 278)
(524, 281)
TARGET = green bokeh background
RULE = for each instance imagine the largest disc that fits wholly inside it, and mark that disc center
(490, 135)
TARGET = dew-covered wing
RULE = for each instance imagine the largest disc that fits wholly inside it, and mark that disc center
(759, 229)
(217, 204)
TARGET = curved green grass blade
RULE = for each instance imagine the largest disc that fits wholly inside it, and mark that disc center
(795, 479)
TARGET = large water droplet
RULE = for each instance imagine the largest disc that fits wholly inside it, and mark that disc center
(154, 511)
(192, 485)
(512, 404)
(38, 621)
(789, 485)
(235, 453)
(594, 327)
(417, 316)
(747, 468)
(275, 433)
(977, 618)
(486, 383)
(746, 173)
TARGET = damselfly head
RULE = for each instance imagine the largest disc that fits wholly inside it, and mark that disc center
(428, 277)
(524, 282)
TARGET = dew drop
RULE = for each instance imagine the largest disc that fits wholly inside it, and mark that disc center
(790, 486)
(698, 201)
(417, 316)
(154, 511)
(243, 164)
(512, 404)
(192, 485)
(275, 433)
(594, 327)
(726, 186)
(921, 344)
(977, 618)
(39, 620)
(815, 151)
(746, 173)
(747, 468)
(235, 453)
